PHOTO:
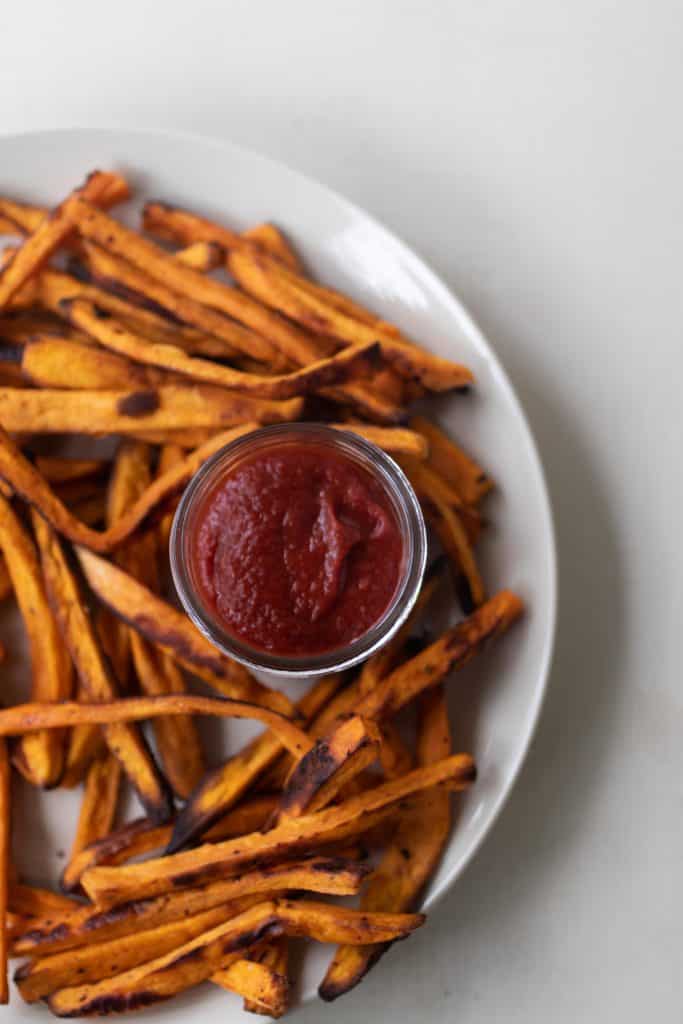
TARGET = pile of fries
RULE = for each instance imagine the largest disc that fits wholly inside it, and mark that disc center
(104, 332)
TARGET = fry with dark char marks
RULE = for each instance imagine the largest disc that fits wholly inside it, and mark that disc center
(351, 364)
(167, 628)
(124, 740)
(281, 290)
(28, 483)
(22, 718)
(223, 787)
(261, 979)
(355, 815)
(328, 766)
(452, 463)
(5, 852)
(40, 757)
(410, 857)
(100, 188)
(321, 874)
(198, 959)
(97, 813)
(135, 839)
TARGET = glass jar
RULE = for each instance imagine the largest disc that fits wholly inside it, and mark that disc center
(401, 498)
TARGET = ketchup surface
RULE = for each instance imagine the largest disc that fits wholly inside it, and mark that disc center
(297, 550)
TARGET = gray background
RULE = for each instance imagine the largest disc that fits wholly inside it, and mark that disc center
(532, 152)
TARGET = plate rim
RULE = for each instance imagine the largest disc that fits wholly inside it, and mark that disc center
(477, 336)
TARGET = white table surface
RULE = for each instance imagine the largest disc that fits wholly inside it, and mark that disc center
(533, 152)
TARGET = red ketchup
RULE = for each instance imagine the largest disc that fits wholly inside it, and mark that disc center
(297, 550)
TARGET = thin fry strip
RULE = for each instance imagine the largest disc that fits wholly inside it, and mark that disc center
(321, 874)
(223, 787)
(22, 718)
(187, 282)
(141, 836)
(125, 742)
(28, 483)
(105, 885)
(40, 758)
(5, 853)
(452, 463)
(53, 230)
(194, 962)
(98, 809)
(281, 290)
(270, 238)
(395, 440)
(61, 470)
(411, 856)
(353, 363)
(261, 979)
(32, 901)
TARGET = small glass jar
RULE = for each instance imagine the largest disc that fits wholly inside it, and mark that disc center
(407, 512)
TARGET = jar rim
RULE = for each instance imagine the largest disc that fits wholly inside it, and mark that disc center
(411, 522)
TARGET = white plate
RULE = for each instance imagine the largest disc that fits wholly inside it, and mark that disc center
(496, 699)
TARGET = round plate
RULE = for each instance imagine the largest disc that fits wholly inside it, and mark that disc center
(496, 699)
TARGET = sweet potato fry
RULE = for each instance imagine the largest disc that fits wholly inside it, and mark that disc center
(223, 787)
(142, 836)
(5, 852)
(40, 758)
(170, 456)
(177, 738)
(350, 364)
(54, 286)
(85, 744)
(124, 741)
(98, 810)
(281, 290)
(60, 470)
(52, 362)
(198, 959)
(106, 411)
(23, 718)
(118, 275)
(211, 861)
(320, 874)
(24, 217)
(166, 627)
(328, 766)
(450, 528)
(201, 256)
(100, 188)
(410, 857)
(270, 238)
(261, 979)
(97, 960)
(452, 463)
(28, 483)
(34, 902)
(395, 440)
(205, 291)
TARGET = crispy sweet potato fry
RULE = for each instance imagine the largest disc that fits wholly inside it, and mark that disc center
(198, 959)
(52, 362)
(28, 483)
(270, 238)
(22, 718)
(32, 901)
(114, 273)
(350, 364)
(107, 885)
(85, 744)
(5, 851)
(60, 470)
(123, 739)
(261, 979)
(395, 440)
(321, 874)
(40, 758)
(223, 787)
(100, 188)
(201, 256)
(141, 836)
(328, 766)
(106, 411)
(281, 290)
(98, 810)
(165, 626)
(452, 463)
(410, 857)
(24, 217)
